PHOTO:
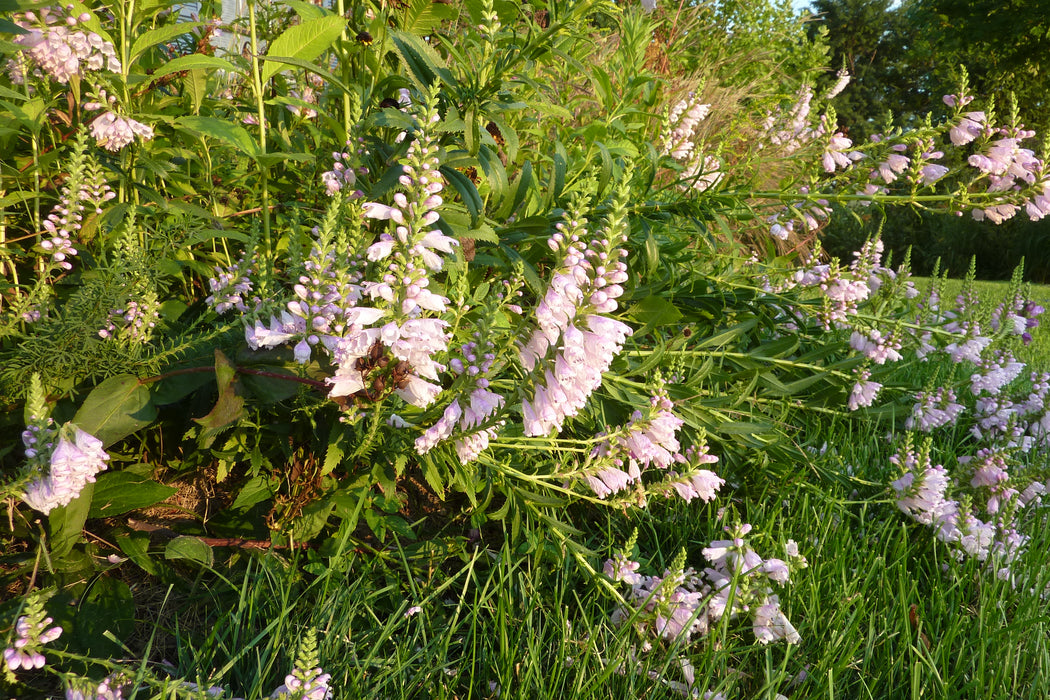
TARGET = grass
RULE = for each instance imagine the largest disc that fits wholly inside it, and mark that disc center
(880, 615)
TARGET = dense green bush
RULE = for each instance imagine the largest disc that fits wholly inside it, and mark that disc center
(410, 277)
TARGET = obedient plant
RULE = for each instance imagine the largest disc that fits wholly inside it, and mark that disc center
(523, 297)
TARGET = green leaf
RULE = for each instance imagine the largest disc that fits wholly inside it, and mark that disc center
(232, 134)
(304, 9)
(336, 448)
(519, 190)
(652, 255)
(119, 492)
(257, 490)
(304, 42)
(467, 191)
(105, 612)
(196, 85)
(307, 66)
(456, 223)
(422, 62)
(424, 16)
(726, 336)
(313, 519)
(193, 62)
(65, 523)
(228, 409)
(268, 159)
(654, 312)
(136, 546)
(191, 549)
(160, 35)
(495, 174)
(116, 408)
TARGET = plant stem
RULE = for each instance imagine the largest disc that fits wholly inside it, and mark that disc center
(341, 9)
(317, 384)
(260, 105)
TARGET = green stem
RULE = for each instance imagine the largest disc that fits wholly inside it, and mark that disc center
(738, 356)
(37, 222)
(341, 9)
(260, 105)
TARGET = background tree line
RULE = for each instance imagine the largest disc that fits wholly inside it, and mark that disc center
(909, 54)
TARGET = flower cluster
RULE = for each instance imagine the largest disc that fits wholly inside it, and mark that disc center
(650, 440)
(304, 685)
(864, 391)
(86, 190)
(306, 95)
(59, 49)
(799, 216)
(32, 632)
(1019, 315)
(135, 322)
(414, 334)
(113, 131)
(231, 287)
(575, 343)
(683, 603)
(647, 440)
(72, 463)
(934, 409)
(116, 686)
(923, 493)
(344, 172)
(472, 409)
(324, 308)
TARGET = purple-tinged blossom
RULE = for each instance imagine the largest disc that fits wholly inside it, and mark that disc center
(113, 132)
(682, 603)
(231, 287)
(465, 415)
(864, 391)
(679, 132)
(889, 169)
(957, 100)
(32, 632)
(970, 126)
(620, 568)
(72, 464)
(344, 170)
(695, 482)
(921, 490)
(305, 685)
(59, 50)
(67, 217)
(585, 285)
(934, 409)
(995, 374)
(876, 347)
(134, 322)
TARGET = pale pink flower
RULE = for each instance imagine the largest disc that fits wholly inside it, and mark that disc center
(114, 132)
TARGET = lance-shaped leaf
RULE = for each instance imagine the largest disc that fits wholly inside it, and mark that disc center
(304, 42)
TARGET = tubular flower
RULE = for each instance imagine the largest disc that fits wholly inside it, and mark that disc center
(73, 463)
(575, 343)
(61, 51)
(411, 334)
